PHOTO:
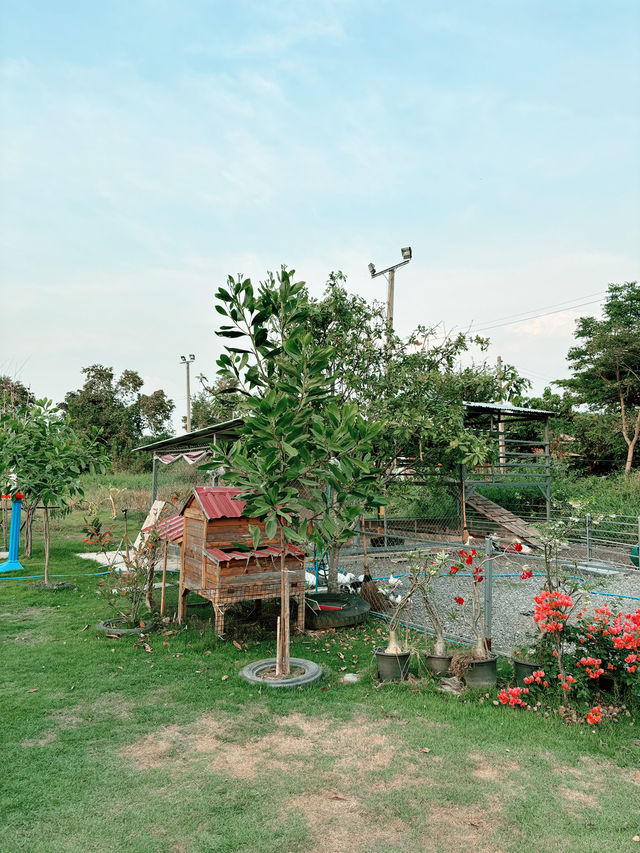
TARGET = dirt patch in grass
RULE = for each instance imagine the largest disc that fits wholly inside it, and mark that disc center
(576, 801)
(340, 822)
(110, 705)
(468, 827)
(151, 752)
(47, 737)
(491, 772)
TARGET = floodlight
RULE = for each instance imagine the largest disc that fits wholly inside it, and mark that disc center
(372, 269)
(406, 253)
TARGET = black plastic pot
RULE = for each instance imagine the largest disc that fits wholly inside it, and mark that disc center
(392, 667)
(437, 664)
(481, 673)
(523, 669)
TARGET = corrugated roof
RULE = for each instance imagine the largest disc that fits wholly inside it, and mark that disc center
(171, 528)
(217, 501)
(220, 556)
(505, 409)
(197, 438)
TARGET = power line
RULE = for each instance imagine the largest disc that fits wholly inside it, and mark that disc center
(534, 316)
(545, 307)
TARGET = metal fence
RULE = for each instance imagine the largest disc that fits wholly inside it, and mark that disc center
(597, 555)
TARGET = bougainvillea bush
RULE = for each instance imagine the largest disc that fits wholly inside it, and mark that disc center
(595, 652)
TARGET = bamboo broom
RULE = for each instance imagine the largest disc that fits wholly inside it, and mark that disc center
(369, 591)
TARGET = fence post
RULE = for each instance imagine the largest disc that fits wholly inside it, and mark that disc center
(488, 591)
(589, 543)
(385, 527)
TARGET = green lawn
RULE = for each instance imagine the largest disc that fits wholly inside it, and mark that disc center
(106, 746)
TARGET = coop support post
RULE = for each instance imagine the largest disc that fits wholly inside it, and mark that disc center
(589, 542)
(488, 591)
(164, 575)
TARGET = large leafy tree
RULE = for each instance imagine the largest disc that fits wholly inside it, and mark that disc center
(606, 362)
(303, 458)
(45, 455)
(413, 388)
(118, 409)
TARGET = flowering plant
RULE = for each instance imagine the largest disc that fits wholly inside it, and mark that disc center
(471, 562)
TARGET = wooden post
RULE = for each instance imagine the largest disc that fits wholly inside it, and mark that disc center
(282, 658)
(47, 544)
(164, 575)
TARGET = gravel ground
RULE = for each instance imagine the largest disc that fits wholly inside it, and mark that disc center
(513, 604)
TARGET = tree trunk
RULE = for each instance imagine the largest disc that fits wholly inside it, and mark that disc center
(334, 556)
(282, 653)
(28, 529)
(47, 544)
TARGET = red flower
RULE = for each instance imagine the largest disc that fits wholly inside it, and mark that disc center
(453, 570)
(525, 575)
(19, 496)
(517, 547)
(458, 600)
(468, 560)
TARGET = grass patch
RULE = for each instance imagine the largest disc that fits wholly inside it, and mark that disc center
(106, 745)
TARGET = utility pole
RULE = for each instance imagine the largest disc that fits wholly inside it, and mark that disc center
(390, 274)
(501, 442)
(187, 362)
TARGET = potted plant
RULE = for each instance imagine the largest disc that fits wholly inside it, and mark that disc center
(423, 571)
(526, 660)
(126, 586)
(393, 660)
(477, 666)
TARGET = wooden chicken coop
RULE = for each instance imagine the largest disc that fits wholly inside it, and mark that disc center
(213, 566)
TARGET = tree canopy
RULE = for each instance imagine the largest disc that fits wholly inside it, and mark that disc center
(606, 362)
(117, 409)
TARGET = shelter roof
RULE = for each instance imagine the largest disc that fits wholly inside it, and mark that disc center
(200, 438)
(217, 502)
(220, 556)
(506, 410)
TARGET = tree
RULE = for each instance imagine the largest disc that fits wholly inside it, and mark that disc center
(13, 394)
(46, 456)
(606, 362)
(413, 388)
(117, 409)
(213, 404)
(298, 441)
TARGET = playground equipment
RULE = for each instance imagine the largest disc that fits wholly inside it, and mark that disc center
(12, 564)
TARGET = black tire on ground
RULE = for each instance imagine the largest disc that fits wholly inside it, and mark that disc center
(355, 610)
(312, 673)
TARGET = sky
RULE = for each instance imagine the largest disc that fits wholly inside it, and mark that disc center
(150, 148)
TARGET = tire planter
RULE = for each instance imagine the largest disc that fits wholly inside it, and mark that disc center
(115, 626)
(353, 610)
(437, 664)
(481, 673)
(311, 674)
(392, 667)
(523, 669)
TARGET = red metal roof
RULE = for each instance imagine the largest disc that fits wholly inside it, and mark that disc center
(220, 556)
(217, 501)
(171, 528)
